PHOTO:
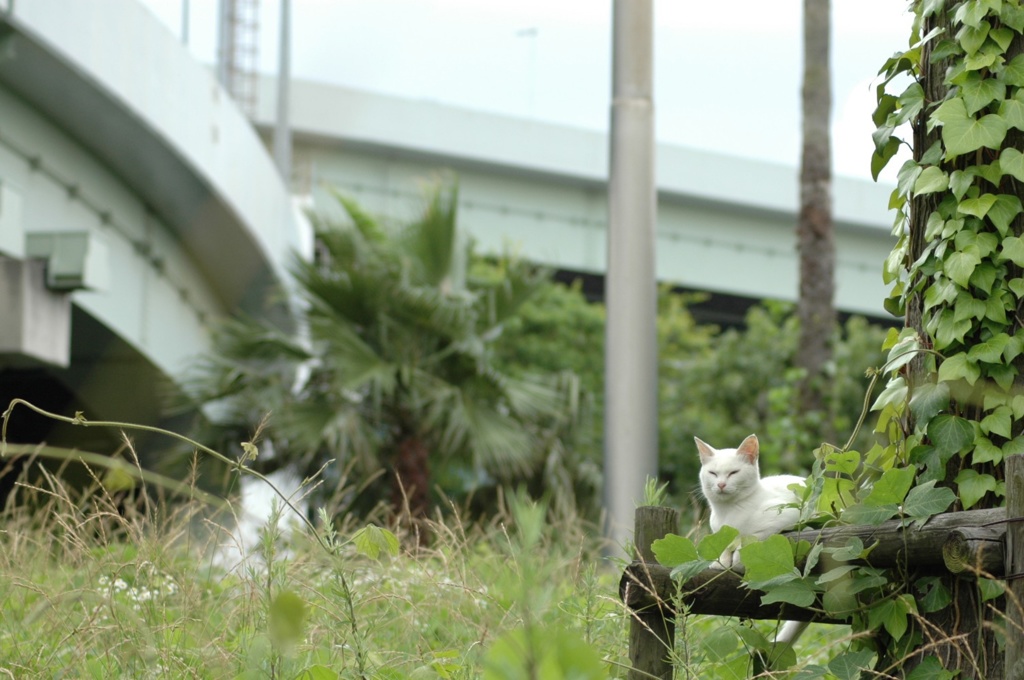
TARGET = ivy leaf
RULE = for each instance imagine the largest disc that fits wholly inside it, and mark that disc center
(931, 180)
(960, 265)
(1013, 73)
(673, 550)
(911, 102)
(979, 92)
(950, 434)
(990, 589)
(1013, 250)
(1012, 111)
(1012, 161)
(935, 594)
(971, 38)
(986, 452)
(1003, 211)
(962, 133)
(881, 157)
(999, 422)
(957, 367)
(978, 207)
(848, 666)
(907, 176)
(712, 546)
(1012, 15)
(970, 13)
(990, 351)
(924, 500)
(972, 486)
(931, 668)
(929, 399)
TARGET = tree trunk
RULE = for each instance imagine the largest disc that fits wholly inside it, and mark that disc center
(411, 481)
(814, 230)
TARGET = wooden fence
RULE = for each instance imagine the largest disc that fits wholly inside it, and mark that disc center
(955, 546)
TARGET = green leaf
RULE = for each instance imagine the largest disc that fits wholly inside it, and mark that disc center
(907, 176)
(712, 546)
(978, 92)
(978, 207)
(931, 668)
(1013, 250)
(960, 265)
(287, 618)
(972, 486)
(959, 367)
(970, 13)
(931, 180)
(768, 559)
(990, 589)
(372, 540)
(1012, 15)
(959, 182)
(910, 103)
(924, 500)
(950, 434)
(891, 488)
(999, 422)
(317, 672)
(673, 550)
(798, 592)
(1012, 161)
(1013, 73)
(865, 515)
(853, 549)
(929, 399)
(1012, 111)
(721, 643)
(971, 38)
(935, 595)
(1003, 211)
(990, 351)
(962, 134)
(848, 666)
(880, 158)
(891, 614)
(986, 452)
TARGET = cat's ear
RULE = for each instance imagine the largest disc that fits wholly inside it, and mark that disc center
(705, 451)
(749, 449)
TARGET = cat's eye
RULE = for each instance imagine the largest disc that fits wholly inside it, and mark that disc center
(713, 474)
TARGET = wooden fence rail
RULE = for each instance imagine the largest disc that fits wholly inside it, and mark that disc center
(956, 543)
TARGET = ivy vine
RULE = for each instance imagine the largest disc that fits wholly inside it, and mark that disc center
(951, 409)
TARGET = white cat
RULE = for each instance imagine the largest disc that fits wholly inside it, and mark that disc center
(740, 498)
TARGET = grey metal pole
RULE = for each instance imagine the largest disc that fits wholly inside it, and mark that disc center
(184, 22)
(631, 371)
(282, 129)
(224, 33)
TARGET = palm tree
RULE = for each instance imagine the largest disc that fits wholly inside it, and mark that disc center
(393, 371)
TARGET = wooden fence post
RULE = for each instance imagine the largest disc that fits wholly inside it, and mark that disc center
(652, 630)
(1014, 567)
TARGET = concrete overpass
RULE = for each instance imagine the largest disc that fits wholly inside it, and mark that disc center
(138, 205)
(725, 224)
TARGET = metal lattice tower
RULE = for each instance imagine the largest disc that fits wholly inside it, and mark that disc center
(238, 51)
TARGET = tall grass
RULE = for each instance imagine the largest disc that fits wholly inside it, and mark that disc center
(115, 580)
(90, 587)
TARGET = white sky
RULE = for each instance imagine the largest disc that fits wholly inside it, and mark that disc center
(727, 75)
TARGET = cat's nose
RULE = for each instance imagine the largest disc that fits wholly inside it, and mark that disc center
(721, 485)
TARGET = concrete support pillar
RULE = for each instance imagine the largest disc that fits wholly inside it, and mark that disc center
(36, 323)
